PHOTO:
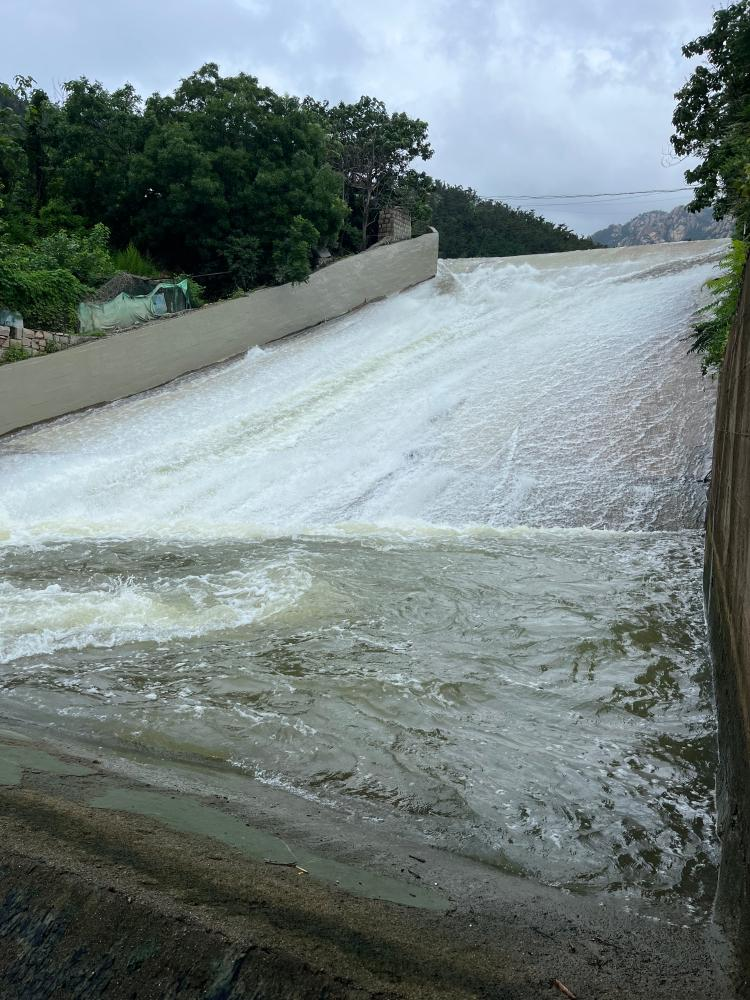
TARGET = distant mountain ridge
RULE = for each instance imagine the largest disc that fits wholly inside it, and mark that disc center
(665, 227)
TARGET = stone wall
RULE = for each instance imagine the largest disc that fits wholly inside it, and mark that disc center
(37, 341)
(131, 362)
(727, 590)
(394, 224)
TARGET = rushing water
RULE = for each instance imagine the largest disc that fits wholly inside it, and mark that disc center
(437, 560)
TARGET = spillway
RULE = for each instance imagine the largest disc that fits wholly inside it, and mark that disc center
(436, 564)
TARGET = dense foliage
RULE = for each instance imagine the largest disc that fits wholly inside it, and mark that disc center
(471, 226)
(46, 280)
(712, 329)
(177, 176)
(84, 254)
(712, 115)
(223, 179)
(712, 122)
(47, 299)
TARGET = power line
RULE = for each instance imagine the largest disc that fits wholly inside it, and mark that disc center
(602, 194)
(594, 203)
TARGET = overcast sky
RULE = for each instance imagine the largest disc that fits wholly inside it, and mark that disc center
(522, 96)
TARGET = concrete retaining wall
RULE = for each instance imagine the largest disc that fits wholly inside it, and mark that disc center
(727, 588)
(45, 387)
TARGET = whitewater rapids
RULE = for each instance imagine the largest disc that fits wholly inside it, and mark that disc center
(436, 560)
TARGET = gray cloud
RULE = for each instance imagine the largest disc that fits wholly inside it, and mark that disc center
(522, 96)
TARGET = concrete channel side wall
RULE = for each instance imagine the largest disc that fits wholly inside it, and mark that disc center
(727, 590)
(122, 365)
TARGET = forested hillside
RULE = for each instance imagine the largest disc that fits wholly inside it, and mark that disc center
(471, 226)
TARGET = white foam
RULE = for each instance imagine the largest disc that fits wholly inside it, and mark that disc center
(502, 395)
(36, 622)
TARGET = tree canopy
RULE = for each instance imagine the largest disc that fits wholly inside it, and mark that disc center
(712, 115)
(221, 164)
(712, 122)
(372, 151)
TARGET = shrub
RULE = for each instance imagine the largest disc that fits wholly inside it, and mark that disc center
(134, 262)
(86, 255)
(712, 333)
(46, 280)
(47, 300)
(243, 257)
(14, 353)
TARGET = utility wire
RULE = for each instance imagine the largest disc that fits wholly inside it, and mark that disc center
(594, 203)
(602, 194)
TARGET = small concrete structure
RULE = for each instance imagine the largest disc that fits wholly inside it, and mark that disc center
(394, 225)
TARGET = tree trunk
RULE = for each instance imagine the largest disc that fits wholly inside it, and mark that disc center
(366, 199)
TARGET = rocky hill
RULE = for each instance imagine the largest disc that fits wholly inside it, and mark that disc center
(664, 227)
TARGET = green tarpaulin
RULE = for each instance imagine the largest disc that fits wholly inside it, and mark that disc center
(127, 310)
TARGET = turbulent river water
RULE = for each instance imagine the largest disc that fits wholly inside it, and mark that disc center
(437, 561)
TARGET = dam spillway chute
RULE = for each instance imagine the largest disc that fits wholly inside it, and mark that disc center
(436, 563)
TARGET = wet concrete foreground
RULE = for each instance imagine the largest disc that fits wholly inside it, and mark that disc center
(109, 888)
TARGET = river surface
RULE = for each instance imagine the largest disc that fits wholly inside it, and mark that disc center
(438, 561)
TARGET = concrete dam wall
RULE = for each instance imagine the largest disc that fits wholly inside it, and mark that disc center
(727, 585)
(112, 368)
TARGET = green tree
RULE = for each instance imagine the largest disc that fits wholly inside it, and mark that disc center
(291, 255)
(712, 115)
(40, 120)
(414, 193)
(222, 178)
(242, 254)
(96, 134)
(712, 122)
(12, 153)
(373, 151)
(15, 187)
(226, 160)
